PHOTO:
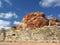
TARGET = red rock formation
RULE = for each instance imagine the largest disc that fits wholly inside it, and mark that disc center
(34, 20)
(54, 21)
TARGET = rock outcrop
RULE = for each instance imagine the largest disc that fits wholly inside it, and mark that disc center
(33, 20)
(54, 21)
(36, 20)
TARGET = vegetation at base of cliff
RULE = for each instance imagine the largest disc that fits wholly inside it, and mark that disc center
(36, 35)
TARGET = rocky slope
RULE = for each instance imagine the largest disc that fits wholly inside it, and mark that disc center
(45, 34)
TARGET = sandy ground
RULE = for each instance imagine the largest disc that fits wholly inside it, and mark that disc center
(27, 43)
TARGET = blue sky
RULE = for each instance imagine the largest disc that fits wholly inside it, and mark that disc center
(12, 11)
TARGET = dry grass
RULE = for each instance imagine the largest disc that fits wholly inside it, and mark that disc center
(47, 34)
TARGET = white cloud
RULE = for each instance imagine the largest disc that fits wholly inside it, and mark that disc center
(59, 15)
(7, 27)
(16, 22)
(8, 15)
(49, 3)
(15, 15)
(4, 24)
(50, 16)
(8, 1)
(0, 4)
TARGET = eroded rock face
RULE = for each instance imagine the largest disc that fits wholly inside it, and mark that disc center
(34, 20)
(54, 21)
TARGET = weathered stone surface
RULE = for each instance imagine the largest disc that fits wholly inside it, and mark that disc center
(1, 36)
(54, 21)
(44, 34)
(34, 20)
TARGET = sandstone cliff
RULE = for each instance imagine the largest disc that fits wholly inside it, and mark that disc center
(37, 20)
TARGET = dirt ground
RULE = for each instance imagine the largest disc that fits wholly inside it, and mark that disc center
(27, 43)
